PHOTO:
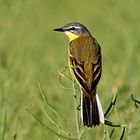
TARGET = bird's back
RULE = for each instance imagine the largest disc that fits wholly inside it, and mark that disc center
(86, 51)
(85, 47)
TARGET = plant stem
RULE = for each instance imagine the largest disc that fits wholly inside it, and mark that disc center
(76, 112)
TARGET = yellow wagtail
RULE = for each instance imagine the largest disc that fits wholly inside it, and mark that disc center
(84, 60)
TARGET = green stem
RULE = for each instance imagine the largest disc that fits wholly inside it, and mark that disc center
(77, 113)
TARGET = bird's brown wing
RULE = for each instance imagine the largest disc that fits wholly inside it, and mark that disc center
(96, 75)
(78, 71)
(85, 62)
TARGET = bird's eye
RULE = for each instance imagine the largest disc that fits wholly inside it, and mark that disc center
(73, 28)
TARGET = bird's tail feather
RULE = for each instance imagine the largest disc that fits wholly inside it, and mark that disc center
(91, 110)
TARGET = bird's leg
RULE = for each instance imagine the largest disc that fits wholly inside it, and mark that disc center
(78, 104)
(77, 98)
(79, 107)
(78, 124)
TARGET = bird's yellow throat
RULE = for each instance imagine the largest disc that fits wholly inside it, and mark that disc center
(71, 36)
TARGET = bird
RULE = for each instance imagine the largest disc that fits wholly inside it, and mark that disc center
(85, 65)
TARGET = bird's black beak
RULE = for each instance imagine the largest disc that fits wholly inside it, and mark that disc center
(59, 30)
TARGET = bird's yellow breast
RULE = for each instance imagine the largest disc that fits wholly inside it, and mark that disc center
(71, 36)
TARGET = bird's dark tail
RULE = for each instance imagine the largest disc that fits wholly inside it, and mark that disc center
(91, 110)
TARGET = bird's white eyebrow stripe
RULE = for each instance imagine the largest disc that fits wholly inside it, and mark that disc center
(76, 27)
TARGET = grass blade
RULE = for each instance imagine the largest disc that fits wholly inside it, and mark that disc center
(122, 136)
(44, 98)
(4, 125)
(48, 128)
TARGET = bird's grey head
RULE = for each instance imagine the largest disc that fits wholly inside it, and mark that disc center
(74, 28)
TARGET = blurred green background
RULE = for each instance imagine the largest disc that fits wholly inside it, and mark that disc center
(29, 47)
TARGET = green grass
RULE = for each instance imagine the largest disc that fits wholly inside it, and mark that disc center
(29, 47)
